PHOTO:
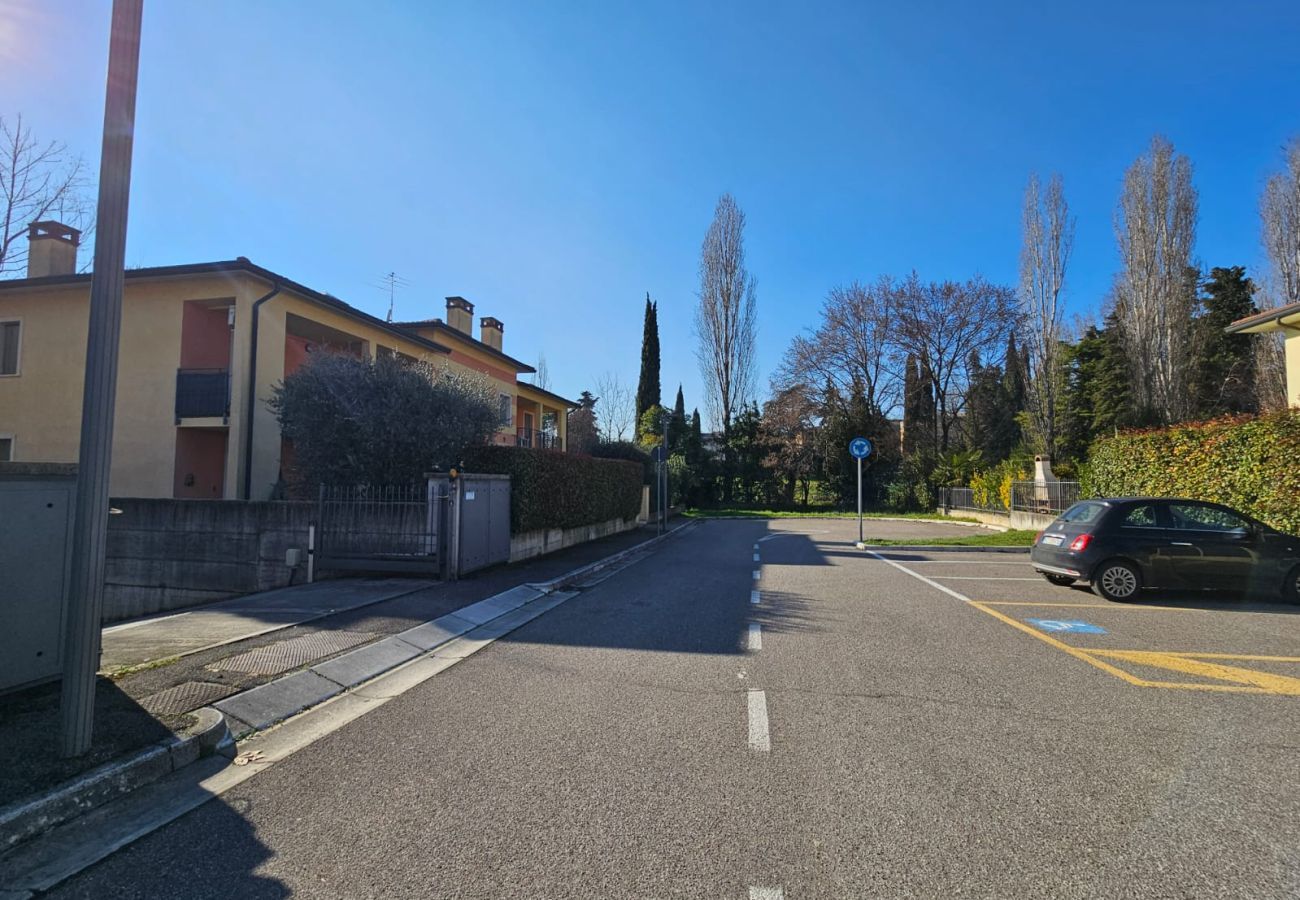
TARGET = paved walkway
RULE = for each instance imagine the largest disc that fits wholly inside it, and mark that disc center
(182, 633)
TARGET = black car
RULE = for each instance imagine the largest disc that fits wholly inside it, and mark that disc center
(1123, 545)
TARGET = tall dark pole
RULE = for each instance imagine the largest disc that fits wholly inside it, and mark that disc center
(90, 530)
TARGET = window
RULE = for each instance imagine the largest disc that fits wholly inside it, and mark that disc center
(1195, 517)
(6, 448)
(1083, 512)
(1140, 517)
(9, 333)
(507, 407)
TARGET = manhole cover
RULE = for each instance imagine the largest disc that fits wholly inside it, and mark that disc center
(285, 655)
(186, 697)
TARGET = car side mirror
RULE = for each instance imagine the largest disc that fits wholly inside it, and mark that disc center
(1242, 534)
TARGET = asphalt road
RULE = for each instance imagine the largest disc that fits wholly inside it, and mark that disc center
(894, 728)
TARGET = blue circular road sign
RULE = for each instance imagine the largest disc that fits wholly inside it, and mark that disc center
(860, 448)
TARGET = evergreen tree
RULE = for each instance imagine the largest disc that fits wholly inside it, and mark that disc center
(647, 389)
(695, 441)
(920, 413)
(677, 425)
(1098, 399)
(987, 405)
(1223, 365)
(581, 429)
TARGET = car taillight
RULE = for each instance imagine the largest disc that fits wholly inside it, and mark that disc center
(1038, 537)
(1079, 544)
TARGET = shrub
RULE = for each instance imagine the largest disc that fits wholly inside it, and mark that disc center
(382, 421)
(552, 489)
(1245, 463)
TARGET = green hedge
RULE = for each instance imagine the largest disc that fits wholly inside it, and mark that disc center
(551, 489)
(1252, 464)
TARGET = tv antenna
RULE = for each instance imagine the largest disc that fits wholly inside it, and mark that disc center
(391, 282)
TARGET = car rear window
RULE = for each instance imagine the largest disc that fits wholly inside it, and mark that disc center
(1083, 513)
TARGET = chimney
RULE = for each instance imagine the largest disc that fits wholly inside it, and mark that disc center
(492, 331)
(460, 315)
(51, 249)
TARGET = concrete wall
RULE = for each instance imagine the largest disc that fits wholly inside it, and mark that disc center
(528, 544)
(1028, 521)
(1001, 520)
(171, 554)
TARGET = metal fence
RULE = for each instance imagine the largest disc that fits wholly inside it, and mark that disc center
(964, 498)
(1047, 497)
(395, 528)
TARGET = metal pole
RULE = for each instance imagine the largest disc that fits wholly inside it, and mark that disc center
(665, 503)
(859, 500)
(90, 529)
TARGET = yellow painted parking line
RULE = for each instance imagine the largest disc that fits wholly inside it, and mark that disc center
(1230, 679)
(1097, 605)
(1267, 681)
(1060, 645)
(1246, 657)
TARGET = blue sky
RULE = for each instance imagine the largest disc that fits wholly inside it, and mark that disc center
(552, 162)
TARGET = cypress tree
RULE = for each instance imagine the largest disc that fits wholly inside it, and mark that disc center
(647, 389)
(677, 425)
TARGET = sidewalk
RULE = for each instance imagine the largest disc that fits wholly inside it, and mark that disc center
(179, 634)
(184, 661)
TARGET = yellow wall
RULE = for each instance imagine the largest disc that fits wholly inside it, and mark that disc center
(41, 406)
(1293, 367)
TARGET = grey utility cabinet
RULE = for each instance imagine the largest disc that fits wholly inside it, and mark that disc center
(36, 509)
(484, 521)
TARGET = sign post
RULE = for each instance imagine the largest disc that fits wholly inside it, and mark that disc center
(860, 449)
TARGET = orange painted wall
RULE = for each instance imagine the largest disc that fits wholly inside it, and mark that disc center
(201, 461)
(205, 337)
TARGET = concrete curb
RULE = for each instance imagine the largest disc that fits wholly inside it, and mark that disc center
(933, 548)
(20, 822)
(578, 574)
(850, 518)
(261, 707)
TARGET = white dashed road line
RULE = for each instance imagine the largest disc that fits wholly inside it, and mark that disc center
(766, 893)
(757, 574)
(755, 636)
(756, 556)
(754, 597)
(758, 736)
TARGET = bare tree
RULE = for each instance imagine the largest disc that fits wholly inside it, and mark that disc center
(851, 347)
(1047, 243)
(1155, 226)
(542, 377)
(725, 320)
(1279, 213)
(38, 181)
(617, 408)
(945, 327)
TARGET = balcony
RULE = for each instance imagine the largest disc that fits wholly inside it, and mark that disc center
(540, 440)
(202, 393)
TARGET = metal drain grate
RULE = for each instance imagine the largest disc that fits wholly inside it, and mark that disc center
(285, 655)
(186, 697)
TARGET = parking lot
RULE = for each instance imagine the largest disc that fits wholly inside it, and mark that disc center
(1172, 640)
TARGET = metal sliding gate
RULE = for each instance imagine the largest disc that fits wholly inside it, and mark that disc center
(387, 528)
(443, 527)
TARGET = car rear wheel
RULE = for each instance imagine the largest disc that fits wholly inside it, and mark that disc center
(1291, 589)
(1117, 580)
(1059, 580)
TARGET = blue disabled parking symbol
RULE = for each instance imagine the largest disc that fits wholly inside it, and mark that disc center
(1073, 626)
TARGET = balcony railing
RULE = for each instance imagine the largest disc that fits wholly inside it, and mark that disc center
(540, 440)
(202, 393)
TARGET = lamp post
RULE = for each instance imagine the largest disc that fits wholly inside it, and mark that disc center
(90, 526)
